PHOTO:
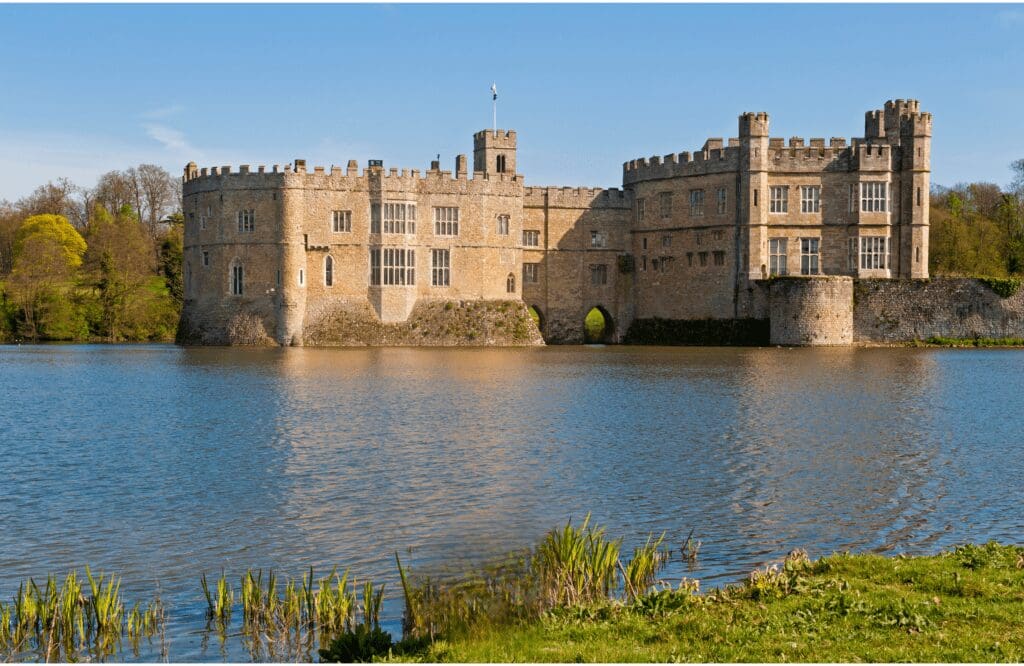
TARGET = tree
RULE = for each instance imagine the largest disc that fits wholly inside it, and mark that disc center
(54, 198)
(120, 263)
(1018, 177)
(114, 191)
(171, 257)
(157, 194)
(42, 269)
(56, 228)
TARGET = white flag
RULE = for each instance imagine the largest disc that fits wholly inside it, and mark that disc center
(494, 90)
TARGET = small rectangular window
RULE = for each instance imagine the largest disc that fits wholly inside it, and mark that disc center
(643, 243)
(341, 221)
(440, 268)
(719, 257)
(666, 241)
(399, 218)
(206, 259)
(696, 203)
(246, 221)
(375, 219)
(874, 197)
(446, 221)
(503, 224)
(530, 273)
(531, 238)
(809, 256)
(721, 195)
(640, 210)
(874, 252)
(375, 267)
(810, 198)
(778, 201)
(777, 256)
(755, 197)
(665, 198)
(599, 274)
(919, 196)
(643, 262)
(597, 239)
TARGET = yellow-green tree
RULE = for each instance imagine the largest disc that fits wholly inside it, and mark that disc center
(47, 252)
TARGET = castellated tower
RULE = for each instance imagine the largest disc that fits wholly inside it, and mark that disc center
(494, 152)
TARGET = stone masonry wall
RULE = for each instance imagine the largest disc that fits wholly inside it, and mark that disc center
(893, 311)
(813, 311)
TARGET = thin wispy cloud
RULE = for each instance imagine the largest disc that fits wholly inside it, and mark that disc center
(172, 140)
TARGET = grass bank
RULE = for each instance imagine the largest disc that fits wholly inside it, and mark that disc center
(939, 341)
(966, 605)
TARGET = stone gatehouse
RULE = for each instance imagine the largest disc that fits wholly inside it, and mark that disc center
(688, 237)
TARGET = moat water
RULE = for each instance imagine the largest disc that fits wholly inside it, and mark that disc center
(160, 463)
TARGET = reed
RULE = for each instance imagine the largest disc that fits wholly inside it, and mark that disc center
(60, 622)
(576, 565)
(639, 575)
(220, 603)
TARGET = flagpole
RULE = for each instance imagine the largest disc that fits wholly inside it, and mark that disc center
(494, 104)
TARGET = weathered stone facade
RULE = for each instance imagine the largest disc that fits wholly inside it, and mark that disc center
(689, 237)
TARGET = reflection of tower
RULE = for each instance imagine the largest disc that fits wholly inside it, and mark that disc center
(494, 152)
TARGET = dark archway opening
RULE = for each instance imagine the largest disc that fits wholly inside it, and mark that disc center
(537, 317)
(598, 327)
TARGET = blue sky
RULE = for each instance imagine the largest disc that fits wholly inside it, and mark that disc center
(87, 89)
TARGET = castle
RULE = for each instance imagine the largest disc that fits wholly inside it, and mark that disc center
(689, 237)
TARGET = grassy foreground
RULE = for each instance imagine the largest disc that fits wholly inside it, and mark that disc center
(966, 605)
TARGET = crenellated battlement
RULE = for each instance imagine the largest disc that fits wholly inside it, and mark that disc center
(712, 158)
(347, 178)
(576, 197)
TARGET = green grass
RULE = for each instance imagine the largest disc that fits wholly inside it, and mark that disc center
(594, 325)
(939, 341)
(965, 605)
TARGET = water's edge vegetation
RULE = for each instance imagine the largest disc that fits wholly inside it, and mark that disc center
(574, 597)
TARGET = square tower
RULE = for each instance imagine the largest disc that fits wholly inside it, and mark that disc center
(494, 151)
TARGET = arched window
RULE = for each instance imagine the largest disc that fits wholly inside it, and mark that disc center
(501, 164)
(329, 271)
(237, 278)
(510, 284)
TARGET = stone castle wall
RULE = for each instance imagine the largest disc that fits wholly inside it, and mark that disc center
(814, 311)
(893, 311)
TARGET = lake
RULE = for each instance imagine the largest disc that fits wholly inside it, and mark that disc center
(160, 463)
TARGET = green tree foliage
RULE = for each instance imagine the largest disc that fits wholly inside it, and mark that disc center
(55, 228)
(39, 286)
(171, 255)
(977, 229)
(130, 303)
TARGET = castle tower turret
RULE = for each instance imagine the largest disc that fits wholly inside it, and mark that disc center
(753, 207)
(915, 138)
(494, 151)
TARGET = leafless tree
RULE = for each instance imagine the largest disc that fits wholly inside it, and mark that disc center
(157, 190)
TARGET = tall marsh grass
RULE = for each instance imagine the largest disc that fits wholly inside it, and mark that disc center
(67, 621)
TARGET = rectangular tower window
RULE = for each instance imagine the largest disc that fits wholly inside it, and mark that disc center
(853, 197)
(666, 204)
(503, 225)
(440, 268)
(810, 198)
(696, 203)
(643, 243)
(374, 218)
(446, 221)
(719, 257)
(246, 221)
(777, 257)
(874, 252)
(206, 259)
(809, 256)
(640, 210)
(919, 196)
(666, 241)
(598, 274)
(530, 273)
(531, 238)
(597, 239)
(399, 218)
(237, 279)
(703, 257)
(873, 197)
(202, 222)
(851, 254)
(375, 267)
(778, 201)
(643, 262)
(720, 193)
(397, 268)
(341, 221)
